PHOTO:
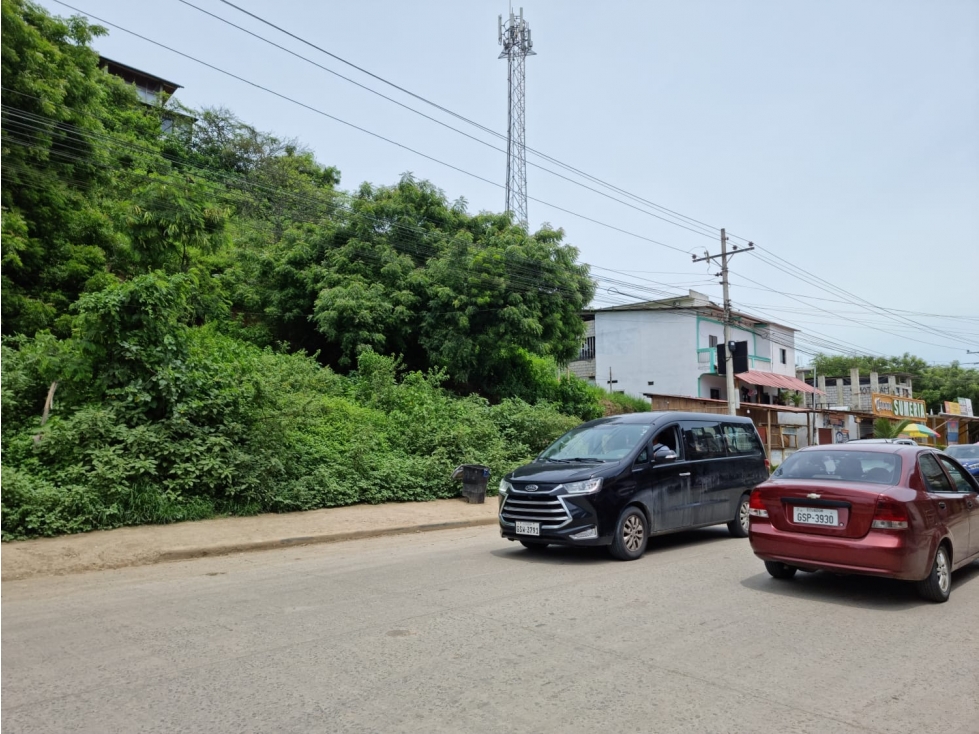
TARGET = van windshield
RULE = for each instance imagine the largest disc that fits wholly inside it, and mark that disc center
(599, 443)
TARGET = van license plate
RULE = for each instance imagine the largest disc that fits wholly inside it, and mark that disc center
(816, 516)
(528, 528)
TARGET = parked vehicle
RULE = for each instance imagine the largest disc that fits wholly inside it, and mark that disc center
(903, 441)
(967, 455)
(616, 481)
(905, 512)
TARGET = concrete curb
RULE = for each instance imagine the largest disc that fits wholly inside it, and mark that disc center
(183, 554)
(149, 557)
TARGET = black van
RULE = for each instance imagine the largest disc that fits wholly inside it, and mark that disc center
(616, 481)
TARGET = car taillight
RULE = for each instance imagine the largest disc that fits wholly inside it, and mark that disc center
(890, 515)
(768, 465)
(755, 506)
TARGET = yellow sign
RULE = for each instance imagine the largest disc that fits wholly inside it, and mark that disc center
(891, 406)
(952, 408)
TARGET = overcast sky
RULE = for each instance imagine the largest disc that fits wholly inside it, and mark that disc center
(840, 135)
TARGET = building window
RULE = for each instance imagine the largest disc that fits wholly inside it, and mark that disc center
(712, 341)
(782, 355)
(715, 393)
(588, 349)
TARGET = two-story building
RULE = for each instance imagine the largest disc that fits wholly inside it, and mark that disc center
(669, 346)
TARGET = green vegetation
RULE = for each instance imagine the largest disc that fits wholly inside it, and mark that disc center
(202, 322)
(884, 428)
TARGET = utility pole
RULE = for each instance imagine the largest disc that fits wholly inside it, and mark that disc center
(514, 36)
(732, 398)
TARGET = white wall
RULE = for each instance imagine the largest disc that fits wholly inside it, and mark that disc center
(781, 338)
(640, 346)
(661, 346)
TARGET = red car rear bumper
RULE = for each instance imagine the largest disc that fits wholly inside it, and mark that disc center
(878, 553)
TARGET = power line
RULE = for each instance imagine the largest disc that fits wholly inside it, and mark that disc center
(711, 233)
(365, 130)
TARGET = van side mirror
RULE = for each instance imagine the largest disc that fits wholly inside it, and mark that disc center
(664, 455)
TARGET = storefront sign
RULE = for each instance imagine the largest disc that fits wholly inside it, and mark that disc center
(889, 406)
(952, 408)
(965, 406)
(953, 430)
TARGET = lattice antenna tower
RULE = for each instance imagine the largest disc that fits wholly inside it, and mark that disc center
(514, 36)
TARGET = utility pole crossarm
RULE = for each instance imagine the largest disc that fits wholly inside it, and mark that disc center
(724, 256)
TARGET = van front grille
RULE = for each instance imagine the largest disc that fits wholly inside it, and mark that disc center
(549, 511)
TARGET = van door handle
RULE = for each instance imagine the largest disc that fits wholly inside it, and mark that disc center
(685, 474)
(941, 505)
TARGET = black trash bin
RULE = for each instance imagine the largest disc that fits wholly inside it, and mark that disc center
(474, 478)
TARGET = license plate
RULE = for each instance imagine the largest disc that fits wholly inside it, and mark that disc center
(528, 528)
(815, 516)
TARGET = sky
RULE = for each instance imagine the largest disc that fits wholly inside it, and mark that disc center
(839, 136)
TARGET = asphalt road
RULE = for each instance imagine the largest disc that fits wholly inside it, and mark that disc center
(459, 631)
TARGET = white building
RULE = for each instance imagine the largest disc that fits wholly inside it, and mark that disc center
(669, 347)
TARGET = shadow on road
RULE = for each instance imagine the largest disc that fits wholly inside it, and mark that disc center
(657, 544)
(868, 592)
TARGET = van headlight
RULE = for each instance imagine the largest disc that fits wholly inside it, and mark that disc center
(505, 487)
(589, 486)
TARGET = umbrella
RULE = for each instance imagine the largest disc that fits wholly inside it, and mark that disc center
(917, 430)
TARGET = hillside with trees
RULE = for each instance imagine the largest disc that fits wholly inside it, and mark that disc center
(203, 321)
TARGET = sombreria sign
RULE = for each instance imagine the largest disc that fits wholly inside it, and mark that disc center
(888, 406)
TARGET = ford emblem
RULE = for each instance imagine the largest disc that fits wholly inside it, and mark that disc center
(531, 487)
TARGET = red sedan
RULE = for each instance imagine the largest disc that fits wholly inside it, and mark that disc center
(905, 512)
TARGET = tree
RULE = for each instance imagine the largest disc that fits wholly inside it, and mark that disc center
(59, 237)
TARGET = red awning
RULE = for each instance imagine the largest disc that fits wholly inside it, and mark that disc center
(770, 379)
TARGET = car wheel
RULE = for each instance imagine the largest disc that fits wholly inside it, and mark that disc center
(738, 527)
(631, 535)
(938, 586)
(780, 570)
(534, 546)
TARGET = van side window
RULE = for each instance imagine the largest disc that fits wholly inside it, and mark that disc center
(702, 440)
(741, 440)
(667, 438)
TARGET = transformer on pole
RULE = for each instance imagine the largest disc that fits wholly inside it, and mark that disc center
(514, 36)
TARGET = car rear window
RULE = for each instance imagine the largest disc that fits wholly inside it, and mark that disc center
(847, 466)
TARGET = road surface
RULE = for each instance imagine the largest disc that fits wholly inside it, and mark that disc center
(460, 631)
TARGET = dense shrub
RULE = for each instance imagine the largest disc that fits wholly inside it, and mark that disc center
(245, 430)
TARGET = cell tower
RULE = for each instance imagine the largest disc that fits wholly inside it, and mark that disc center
(514, 36)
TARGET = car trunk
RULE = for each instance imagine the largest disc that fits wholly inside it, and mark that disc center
(830, 508)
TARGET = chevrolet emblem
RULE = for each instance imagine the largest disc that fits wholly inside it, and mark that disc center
(813, 496)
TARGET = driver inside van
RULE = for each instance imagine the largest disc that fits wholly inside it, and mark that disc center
(665, 439)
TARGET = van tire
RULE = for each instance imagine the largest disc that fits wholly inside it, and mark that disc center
(779, 570)
(631, 535)
(738, 527)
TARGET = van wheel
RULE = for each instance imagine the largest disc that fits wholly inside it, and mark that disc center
(779, 570)
(738, 527)
(938, 585)
(631, 535)
(533, 546)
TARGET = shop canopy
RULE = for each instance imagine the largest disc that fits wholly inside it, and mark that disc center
(770, 379)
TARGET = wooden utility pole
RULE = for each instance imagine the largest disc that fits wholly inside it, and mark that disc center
(732, 397)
